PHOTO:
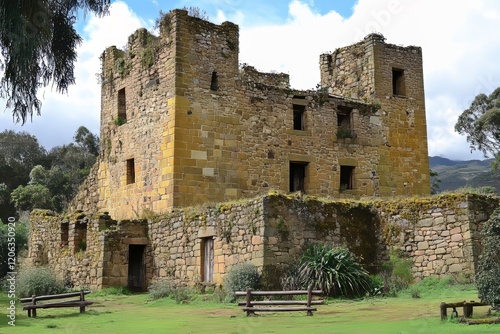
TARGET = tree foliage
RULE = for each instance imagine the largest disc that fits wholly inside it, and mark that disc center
(38, 47)
(488, 271)
(481, 123)
(33, 196)
(87, 141)
(32, 178)
(19, 153)
(435, 181)
(21, 243)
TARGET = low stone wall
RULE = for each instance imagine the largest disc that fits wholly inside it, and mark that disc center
(237, 231)
(440, 234)
(76, 263)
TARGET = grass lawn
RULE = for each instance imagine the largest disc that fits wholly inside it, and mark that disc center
(138, 314)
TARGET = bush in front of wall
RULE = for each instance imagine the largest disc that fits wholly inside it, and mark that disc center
(240, 277)
(38, 281)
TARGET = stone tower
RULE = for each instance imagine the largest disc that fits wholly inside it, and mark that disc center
(391, 78)
(182, 123)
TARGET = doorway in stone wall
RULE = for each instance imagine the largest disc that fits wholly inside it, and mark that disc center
(136, 268)
(207, 259)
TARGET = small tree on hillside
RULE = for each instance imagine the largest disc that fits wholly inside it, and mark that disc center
(481, 123)
(488, 272)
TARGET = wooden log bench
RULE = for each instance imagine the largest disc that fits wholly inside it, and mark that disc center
(467, 308)
(251, 306)
(33, 302)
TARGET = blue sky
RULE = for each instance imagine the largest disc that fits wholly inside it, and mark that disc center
(460, 41)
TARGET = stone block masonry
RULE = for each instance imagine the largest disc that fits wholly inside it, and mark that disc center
(200, 244)
(183, 123)
(441, 235)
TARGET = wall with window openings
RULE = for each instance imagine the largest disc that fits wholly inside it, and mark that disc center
(199, 245)
(183, 123)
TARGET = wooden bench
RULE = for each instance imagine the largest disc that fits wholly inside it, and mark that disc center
(251, 306)
(33, 306)
(467, 308)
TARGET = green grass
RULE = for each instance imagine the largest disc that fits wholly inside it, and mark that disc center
(136, 313)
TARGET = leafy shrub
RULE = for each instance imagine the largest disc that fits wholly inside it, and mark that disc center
(219, 295)
(415, 292)
(377, 283)
(488, 270)
(397, 273)
(333, 270)
(167, 288)
(292, 279)
(112, 291)
(161, 288)
(38, 281)
(182, 294)
(21, 236)
(240, 277)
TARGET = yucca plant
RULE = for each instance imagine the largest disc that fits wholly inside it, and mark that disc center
(336, 271)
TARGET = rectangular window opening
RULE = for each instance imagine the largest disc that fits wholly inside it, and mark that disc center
(80, 237)
(214, 85)
(346, 177)
(130, 171)
(298, 176)
(299, 117)
(207, 259)
(344, 123)
(122, 108)
(64, 234)
(398, 82)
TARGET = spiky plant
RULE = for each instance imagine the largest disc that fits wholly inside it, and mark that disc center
(336, 271)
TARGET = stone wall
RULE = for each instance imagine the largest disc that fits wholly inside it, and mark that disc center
(237, 231)
(87, 197)
(73, 262)
(440, 234)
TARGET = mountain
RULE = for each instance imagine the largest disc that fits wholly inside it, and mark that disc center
(471, 173)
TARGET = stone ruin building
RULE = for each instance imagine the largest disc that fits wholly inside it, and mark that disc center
(184, 126)
(183, 123)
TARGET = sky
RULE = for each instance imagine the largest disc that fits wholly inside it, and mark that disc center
(460, 41)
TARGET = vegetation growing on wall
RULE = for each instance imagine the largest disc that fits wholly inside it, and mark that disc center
(488, 271)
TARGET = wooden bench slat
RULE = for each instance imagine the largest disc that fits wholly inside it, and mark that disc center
(278, 309)
(282, 302)
(251, 306)
(278, 293)
(61, 304)
(49, 297)
(33, 305)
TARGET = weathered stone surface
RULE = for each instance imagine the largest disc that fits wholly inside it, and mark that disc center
(426, 222)
(175, 249)
(423, 245)
(190, 125)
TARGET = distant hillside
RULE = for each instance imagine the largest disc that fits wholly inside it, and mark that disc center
(457, 174)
